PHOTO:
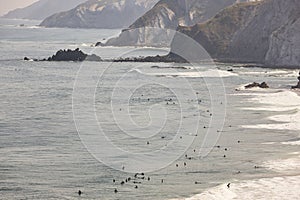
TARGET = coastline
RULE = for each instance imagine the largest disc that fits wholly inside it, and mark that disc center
(264, 188)
(285, 183)
(169, 58)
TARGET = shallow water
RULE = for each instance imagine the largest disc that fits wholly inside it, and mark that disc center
(43, 157)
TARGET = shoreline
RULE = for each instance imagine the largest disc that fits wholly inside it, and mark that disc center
(284, 183)
(262, 188)
(79, 56)
(148, 60)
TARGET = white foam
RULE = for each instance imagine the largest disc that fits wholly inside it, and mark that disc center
(286, 118)
(273, 73)
(33, 27)
(283, 126)
(294, 153)
(271, 108)
(86, 45)
(193, 74)
(292, 143)
(282, 98)
(268, 143)
(278, 188)
(284, 165)
(279, 101)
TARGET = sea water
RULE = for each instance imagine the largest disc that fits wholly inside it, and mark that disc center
(42, 155)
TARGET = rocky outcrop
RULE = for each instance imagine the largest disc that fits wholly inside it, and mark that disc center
(155, 59)
(259, 85)
(42, 9)
(156, 27)
(70, 55)
(265, 32)
(101, 14)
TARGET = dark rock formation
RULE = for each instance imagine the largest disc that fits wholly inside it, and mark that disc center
(70, 55)
(99, 44)
(298, 85)
(260, 85)
(171, 57)
(73, 55)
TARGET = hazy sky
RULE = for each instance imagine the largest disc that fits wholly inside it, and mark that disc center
(7, 5)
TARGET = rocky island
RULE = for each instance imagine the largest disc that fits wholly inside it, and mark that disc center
(70, 55)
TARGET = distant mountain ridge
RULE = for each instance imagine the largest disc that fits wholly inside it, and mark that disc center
(168, 14)
(42, 9)
(101, 14)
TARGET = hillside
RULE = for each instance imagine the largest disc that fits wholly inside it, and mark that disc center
(100, 14)
(168, 14)
(264, 32)
(42, 9)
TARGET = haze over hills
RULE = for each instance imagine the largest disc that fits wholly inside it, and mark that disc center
(42, 9)
(101, 14)
(265, 32)
(168, 14)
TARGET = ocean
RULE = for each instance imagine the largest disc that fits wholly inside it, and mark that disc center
(188, 130)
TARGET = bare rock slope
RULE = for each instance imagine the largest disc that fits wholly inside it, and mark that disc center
(155, 27)
(42, 9)
(101, 14)
(265, 32)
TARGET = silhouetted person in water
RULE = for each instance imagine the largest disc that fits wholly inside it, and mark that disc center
(79, 192)
(228, 185)
(116, 191)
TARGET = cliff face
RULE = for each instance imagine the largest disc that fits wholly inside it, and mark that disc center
(218, 34)
(168, 14)
(284, 49)
(265, 32)
(101, 14)
(42, 9)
